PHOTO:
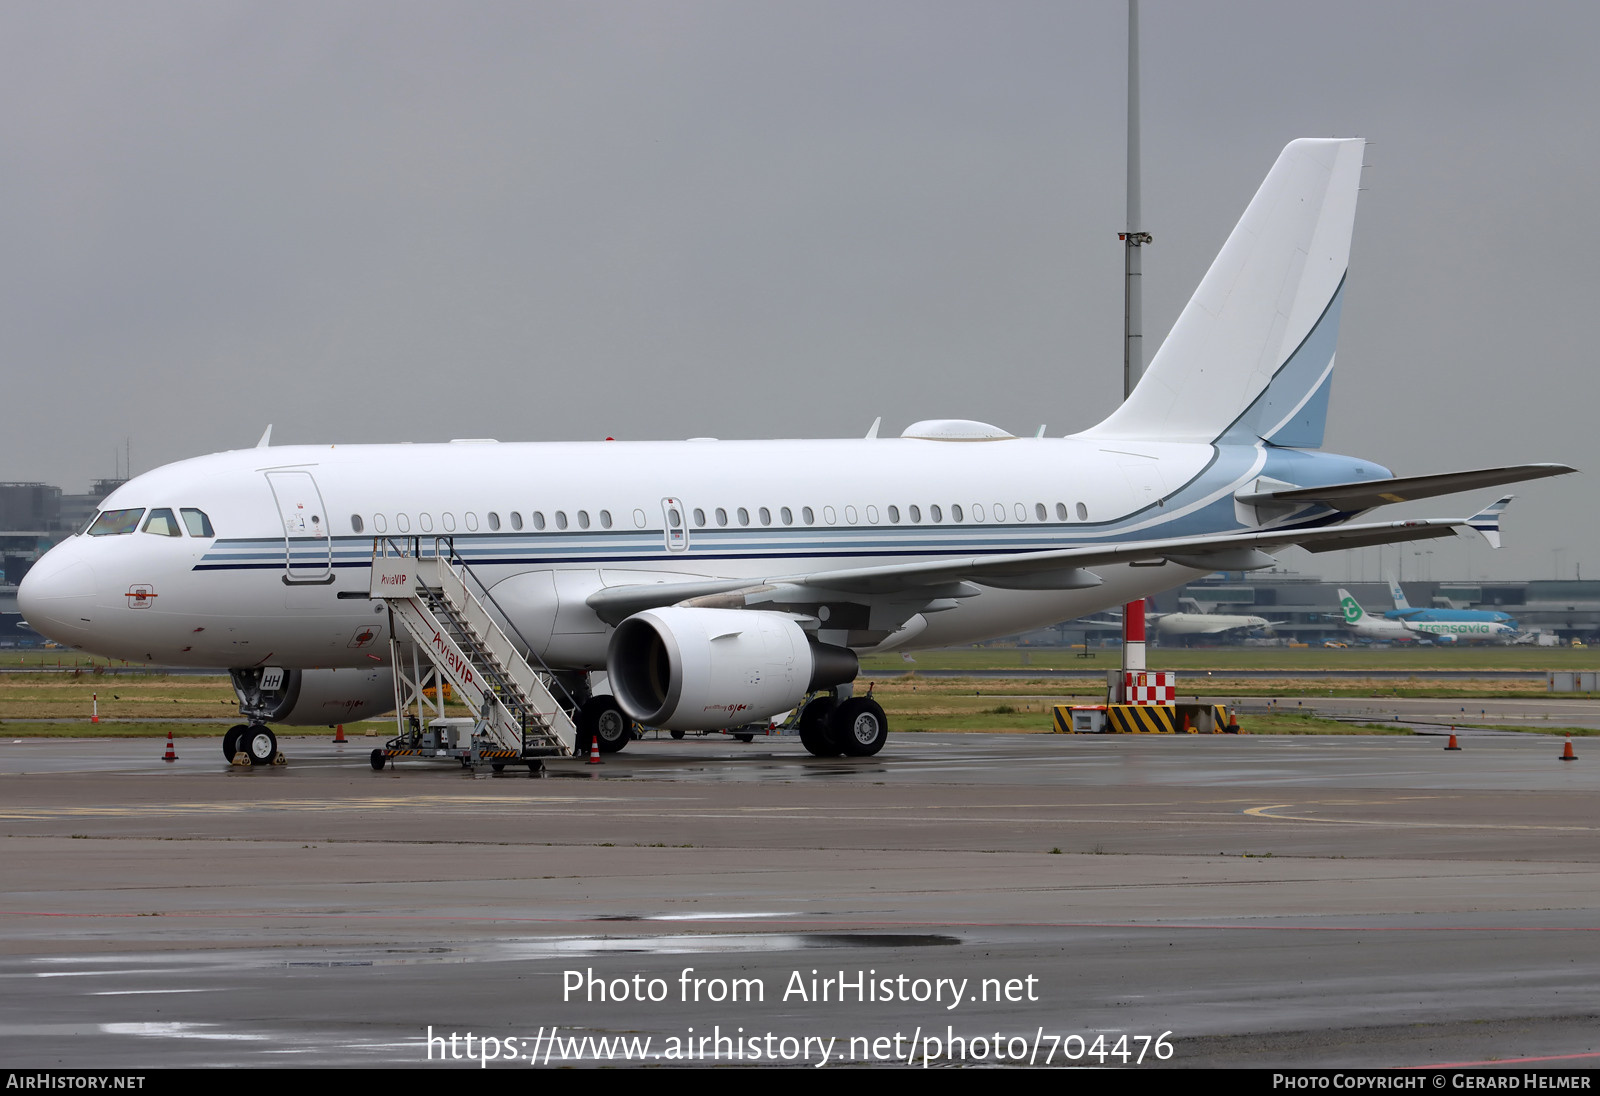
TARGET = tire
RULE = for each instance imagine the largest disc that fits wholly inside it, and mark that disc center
(602, 719)
(859, 726)
(677, 734)
(231, 740)
(260, 743)
(815, 734)
(745, 737)
(378, 760)
(498, 766)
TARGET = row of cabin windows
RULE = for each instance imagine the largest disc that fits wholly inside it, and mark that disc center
(912, 513)
(764, 515)
(447, 521)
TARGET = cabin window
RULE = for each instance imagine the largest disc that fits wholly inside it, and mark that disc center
(872, 515)
(163, 523)
(378, 524)
(402, 523)
(538, 519)
(561, 519)
(639, 518)
(977, 511)
(894, 515)
(1083, 512)
(425, 522)
(808, 515)
(516, 520)
(787, 515)
(722, 516)
(916, 514)
(699, 518)
(765, 515)
(850, 514)
(605, 519)
(937, 515)
(472, 521)
(494, 522)
(828, 515)
(744, 516)
(1039, 512)
(355, 522)
(583, 519)
(114, 523)
(448, 520)
(1061, 511)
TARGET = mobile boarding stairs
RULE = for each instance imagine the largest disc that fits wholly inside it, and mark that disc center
(429, 592)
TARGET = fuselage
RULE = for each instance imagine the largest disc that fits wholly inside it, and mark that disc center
(279, 568)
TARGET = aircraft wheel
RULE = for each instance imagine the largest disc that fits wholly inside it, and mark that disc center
(745, 737)
(600, 718)
(378, 760)
(860, 726)
(230, 741)
(815, 734)
(260, 743)
(498, 766)
(677, 734)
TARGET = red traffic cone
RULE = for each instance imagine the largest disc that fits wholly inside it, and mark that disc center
(594, 751)
(170, 755)
(1567, 754)
(338, 737)
(1452, 745)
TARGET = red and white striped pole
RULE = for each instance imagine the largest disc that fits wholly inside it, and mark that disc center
(1132, 643)
(94, 716)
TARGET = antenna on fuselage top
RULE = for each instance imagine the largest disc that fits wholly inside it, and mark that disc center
(266, 437)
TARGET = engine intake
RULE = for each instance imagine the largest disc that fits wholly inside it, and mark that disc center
(706, 669)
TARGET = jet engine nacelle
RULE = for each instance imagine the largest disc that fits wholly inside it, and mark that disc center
(706, 669)
(311, 698)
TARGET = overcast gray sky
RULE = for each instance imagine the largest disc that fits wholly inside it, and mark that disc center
(548, 220)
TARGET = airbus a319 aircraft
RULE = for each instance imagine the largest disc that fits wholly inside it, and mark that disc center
(719, 581)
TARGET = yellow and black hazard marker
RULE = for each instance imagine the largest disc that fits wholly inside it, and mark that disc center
(1141, 718)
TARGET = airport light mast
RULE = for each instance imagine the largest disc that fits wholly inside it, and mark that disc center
(1133, 238)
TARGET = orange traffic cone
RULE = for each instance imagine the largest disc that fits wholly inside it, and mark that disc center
(338, 737)
(170, 755)
(1452, 745)
(594, 751)
(1567, 754)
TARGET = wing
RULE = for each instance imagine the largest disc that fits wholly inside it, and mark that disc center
(882, 598)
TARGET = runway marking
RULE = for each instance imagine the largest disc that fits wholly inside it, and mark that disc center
(1263, 812)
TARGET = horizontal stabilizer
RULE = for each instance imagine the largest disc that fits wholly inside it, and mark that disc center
(1366, 494)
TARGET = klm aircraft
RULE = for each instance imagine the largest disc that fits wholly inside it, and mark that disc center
(1403, 611)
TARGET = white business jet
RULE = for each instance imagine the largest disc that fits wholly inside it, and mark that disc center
(720, 581)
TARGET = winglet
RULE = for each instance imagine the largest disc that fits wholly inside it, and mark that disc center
(873, 432)
(1487, 520)
(266, 438)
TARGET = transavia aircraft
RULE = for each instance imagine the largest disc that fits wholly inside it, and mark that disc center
(1407, 631)
(718, 582)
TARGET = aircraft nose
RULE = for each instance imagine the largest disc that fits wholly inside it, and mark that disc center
(57, 596)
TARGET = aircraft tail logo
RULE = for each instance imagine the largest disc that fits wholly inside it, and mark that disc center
(1352, 609)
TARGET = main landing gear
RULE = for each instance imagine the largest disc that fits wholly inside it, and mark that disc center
(602, 718)
(855, 726)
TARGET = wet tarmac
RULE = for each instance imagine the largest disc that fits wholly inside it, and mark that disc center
(958, 899)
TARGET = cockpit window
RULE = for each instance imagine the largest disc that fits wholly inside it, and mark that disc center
(162, 524)
(200, 526)
(115, 523)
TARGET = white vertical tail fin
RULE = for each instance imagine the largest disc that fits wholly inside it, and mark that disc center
(1251, 356)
